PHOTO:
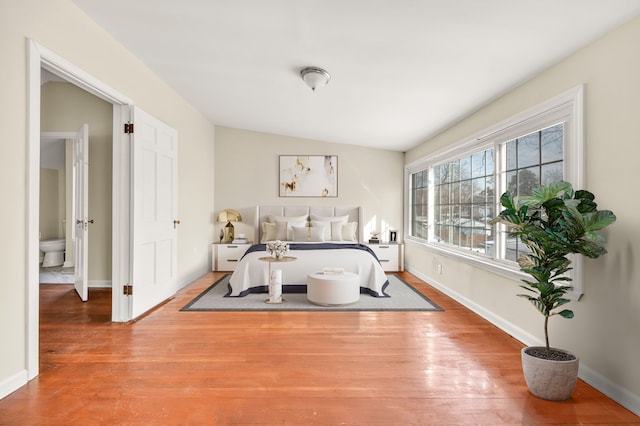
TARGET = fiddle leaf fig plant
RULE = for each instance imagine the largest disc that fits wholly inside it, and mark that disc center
(554, 222)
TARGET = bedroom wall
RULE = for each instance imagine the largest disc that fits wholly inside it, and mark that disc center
(81, 42)
(604, 331)
(247, 175)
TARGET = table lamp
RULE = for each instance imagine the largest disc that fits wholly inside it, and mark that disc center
(228, 216)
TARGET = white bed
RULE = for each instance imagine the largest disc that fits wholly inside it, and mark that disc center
(348, 253)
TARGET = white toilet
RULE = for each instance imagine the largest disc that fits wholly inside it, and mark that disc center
(53, 252)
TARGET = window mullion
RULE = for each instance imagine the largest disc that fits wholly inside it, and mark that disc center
(431, 205)
(500, 175)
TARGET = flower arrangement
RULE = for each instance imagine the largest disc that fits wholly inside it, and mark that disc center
(277, 249)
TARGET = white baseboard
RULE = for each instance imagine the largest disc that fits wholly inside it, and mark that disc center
(622, 396)
(92, 284)
(13, 383)
(191, 277)
(498, 321)
(99, 284)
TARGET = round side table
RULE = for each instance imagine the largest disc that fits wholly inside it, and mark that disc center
(271, 260)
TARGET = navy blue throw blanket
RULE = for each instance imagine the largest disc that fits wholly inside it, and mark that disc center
(317, 246)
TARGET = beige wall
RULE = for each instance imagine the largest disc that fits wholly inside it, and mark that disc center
(604, 332)
(50, 219)
(65, 108)
(247, 175)
(62, 28)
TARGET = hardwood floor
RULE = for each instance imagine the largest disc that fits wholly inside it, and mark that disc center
(296, 368)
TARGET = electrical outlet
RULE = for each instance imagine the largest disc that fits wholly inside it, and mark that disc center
(439, 269)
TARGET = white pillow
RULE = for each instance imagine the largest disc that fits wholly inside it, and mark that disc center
(291, 221)
(343, 219)
(349, 232)
(325, 226)
(336, 231)
(268, 232)
(284, 229)
(308, 234)
(273, 218)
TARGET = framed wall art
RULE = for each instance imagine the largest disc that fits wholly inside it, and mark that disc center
(308, 175)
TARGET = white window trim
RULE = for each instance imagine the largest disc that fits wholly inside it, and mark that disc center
(568, 107)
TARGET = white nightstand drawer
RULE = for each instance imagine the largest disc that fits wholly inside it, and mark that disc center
(390, 256)
(227, 256)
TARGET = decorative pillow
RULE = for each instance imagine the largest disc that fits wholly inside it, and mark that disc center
(325, 226)
(282, 230)
(291, 221)
(349, 232)
(273, 218)
(336, 231)
(308, 233)
(343, 219)
(268, 232)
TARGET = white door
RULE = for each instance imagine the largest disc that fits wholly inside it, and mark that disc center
(154, 204)
(81, 211)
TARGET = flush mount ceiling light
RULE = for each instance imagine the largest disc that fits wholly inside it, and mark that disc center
(315, 77)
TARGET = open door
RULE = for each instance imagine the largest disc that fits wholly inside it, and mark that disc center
(81, 209)
(154, 204)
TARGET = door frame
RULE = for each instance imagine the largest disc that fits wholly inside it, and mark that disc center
(40, 57)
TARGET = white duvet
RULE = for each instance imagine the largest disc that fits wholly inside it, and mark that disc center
(251, 273)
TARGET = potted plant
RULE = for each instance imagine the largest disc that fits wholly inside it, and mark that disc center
(554, 222)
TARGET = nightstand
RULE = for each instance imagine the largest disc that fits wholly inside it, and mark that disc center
(391, 256)
(225, 256)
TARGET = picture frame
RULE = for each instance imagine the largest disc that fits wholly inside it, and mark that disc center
(308, 176)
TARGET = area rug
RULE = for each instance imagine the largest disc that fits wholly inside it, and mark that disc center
(403, 297)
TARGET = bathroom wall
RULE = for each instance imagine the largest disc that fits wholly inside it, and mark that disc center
(50, 196)
(56, 193)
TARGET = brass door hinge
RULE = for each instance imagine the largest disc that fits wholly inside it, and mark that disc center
(128, 127)
(127, 289)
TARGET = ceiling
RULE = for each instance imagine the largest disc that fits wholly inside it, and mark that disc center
(401, 70)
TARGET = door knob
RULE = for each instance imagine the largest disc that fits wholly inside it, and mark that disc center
(176, 222)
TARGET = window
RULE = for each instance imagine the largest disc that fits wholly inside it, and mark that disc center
(532, 160)
(453, 194)
(463, 201)
(419, 203)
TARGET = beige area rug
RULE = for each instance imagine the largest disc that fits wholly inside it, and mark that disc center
(403, 297)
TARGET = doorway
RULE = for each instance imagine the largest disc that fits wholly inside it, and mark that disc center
(87, 214)
(57, 201)
(40, 58)
(130, 244)
(64, 201)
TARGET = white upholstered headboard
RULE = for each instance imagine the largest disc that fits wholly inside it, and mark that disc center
(263, 213)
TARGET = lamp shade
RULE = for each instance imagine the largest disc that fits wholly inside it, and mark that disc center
(315, 77)
(229, 215)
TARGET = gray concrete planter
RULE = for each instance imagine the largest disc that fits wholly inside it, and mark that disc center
(550, 379)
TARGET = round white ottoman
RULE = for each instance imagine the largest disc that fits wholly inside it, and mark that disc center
(333, 289)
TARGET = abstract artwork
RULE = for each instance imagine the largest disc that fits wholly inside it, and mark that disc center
(308, 175)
